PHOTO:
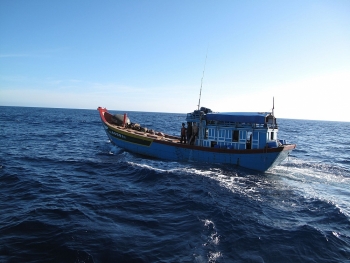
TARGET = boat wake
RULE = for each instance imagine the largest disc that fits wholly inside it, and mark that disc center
(308, 180)
(318, 181)
(244, 183)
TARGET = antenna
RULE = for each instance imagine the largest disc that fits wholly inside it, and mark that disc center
(273, 114)
(200, 92)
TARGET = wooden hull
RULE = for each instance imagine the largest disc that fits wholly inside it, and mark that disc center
(169, 148)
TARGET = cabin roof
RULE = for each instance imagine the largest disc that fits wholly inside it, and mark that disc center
(248, 117)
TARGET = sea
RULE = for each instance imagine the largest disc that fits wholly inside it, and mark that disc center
(68, 195)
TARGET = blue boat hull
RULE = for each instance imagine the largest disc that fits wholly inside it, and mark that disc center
(259, 160)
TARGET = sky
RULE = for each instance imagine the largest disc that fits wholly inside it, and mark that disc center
(157, 56)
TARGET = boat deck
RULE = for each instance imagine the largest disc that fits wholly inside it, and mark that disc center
(164, 137)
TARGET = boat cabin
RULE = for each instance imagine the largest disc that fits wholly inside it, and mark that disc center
(235, 130)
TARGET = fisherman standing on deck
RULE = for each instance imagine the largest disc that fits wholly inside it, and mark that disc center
(194, 133)
(183, 133)
(189, 131)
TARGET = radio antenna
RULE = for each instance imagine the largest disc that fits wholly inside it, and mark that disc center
(200, 91)
(273, 112)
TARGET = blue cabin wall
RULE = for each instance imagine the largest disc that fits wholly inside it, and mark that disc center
(217, 129)
(262, 139)
(222, 137)
(255, 140)
(242, 139)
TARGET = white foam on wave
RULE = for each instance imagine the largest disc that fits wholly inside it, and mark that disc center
(310, 180)
(114, 150)
(155, 165)
(244, 184)
(314, 180)
(211, 240)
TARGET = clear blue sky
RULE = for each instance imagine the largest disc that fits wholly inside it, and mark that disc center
(150, 55)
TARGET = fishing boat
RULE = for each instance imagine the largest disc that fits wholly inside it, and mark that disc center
(241, 139)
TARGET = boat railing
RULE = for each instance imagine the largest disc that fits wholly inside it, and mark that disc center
(194, 116)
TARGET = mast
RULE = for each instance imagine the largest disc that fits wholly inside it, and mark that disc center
(200, 91)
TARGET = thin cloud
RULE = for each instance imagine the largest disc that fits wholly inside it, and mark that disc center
(37, 53)
(19, 55)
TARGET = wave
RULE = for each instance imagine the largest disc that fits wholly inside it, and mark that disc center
(42, 242)
(326, 170)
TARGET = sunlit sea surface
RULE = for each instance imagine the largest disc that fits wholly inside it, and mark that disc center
(68, 195)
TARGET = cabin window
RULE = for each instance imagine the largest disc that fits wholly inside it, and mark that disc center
(272, 135)
(235, 136)
(243, 135)
(211, 133)
(222, 134)
(228, 137)
(206, 134)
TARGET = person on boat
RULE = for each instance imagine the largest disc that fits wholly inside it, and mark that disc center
(183, 133)
(194, 133)
(189, 131)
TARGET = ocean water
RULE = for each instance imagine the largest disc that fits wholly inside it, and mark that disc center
(68, 195)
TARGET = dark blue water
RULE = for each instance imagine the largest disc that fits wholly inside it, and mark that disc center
(68, 195)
